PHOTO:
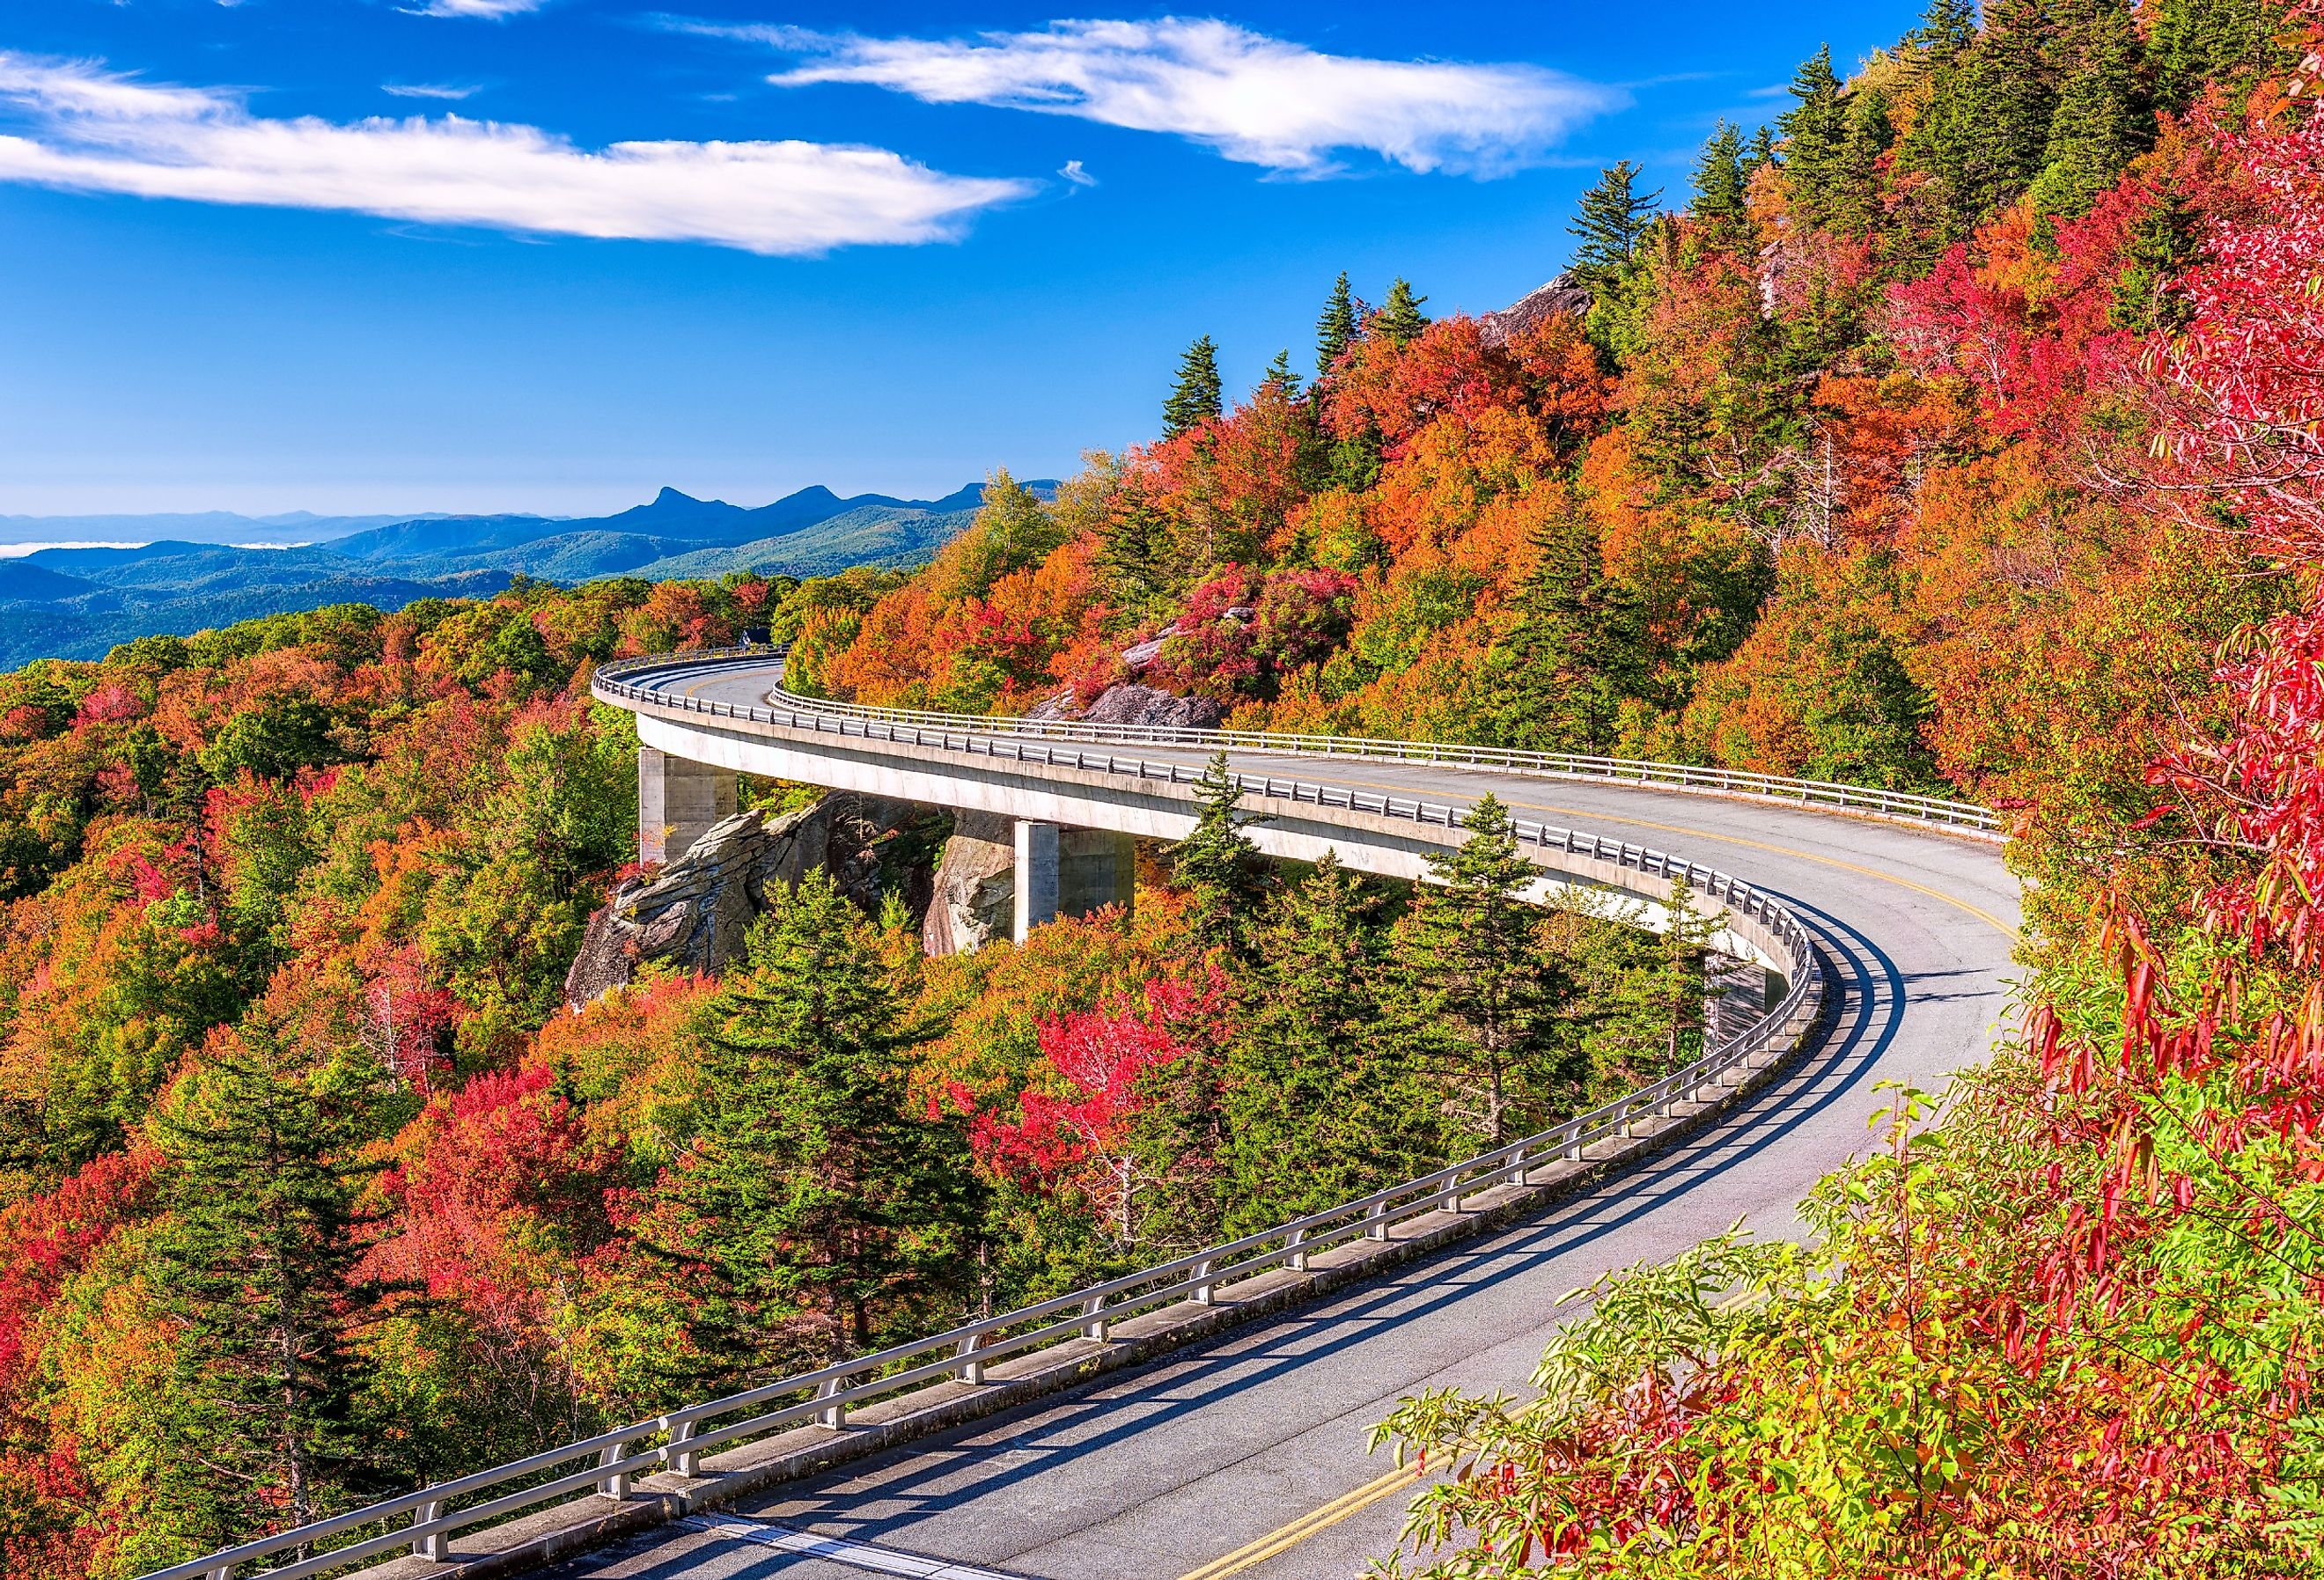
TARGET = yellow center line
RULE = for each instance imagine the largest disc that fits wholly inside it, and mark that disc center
(1305, 1526)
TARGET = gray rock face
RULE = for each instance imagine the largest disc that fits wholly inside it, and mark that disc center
(975, 885)
(1536, 307)
(1143, 704)
(695, 912)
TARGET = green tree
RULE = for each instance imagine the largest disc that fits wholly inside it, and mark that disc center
(1279, 378)
(1656, 1007)
(2166, 240)
(2103, 118)
(1946, 28)
(256, 1262)
(1852, 204)
(1197, 397)
(1815, 137)
(1612, 221)
(1473, 987)
(1578, 649)
(1218, 867)
(1985, 131)
(1318, 1105)
(1399, 320)
(2192, 42)
(818, 1204)
(1336, 331)
(1718, 177)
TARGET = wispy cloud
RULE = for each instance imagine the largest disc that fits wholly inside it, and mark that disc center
(1256, 99)
(492, 10)
(1073, 172)
(428, 89)
(90, 130)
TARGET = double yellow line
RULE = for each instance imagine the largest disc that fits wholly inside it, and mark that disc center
(1305, 1526)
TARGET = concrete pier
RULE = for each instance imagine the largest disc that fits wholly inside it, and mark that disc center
(1069, 872)
(678, 802)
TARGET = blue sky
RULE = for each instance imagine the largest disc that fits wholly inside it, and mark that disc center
(552, 254)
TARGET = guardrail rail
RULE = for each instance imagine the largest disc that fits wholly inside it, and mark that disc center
(614, 680)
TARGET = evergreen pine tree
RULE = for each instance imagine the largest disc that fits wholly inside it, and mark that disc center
(1220, 871)
(1946, 28)
(1198, 397)
(1815, 137)
(1718, 177)
(2164, 242)
(1612, 221)
(2191, 43)
(1649, 1018)
(1557, 681)
(1992, 120)
(1335, 331)
(1760, 155)
(1471, 984)
(256, 1262)
(1279, 377)
(1318, 1105)
(2103, 119)
(817, 1200)
(1852, 205)
(1399, 320)
(1134, 553)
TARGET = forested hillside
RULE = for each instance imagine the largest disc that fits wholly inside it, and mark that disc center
(1960, 430)
(1957, 432)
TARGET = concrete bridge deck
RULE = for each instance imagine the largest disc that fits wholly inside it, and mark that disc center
(1245, 1455)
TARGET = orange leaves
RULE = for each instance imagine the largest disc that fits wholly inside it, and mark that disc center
(1448, 373)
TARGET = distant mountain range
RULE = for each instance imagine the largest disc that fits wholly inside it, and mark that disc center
(197, 573)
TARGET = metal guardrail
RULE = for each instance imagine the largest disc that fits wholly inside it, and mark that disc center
(423, 1522)
(1925, 810)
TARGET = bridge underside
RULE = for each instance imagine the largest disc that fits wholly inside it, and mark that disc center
(1080, 807)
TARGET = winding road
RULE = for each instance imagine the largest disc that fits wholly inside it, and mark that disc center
(1245, 1454)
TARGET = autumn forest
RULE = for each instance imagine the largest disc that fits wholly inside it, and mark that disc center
(1956, 432)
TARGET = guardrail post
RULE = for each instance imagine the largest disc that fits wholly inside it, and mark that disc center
(1376, 1222)
(434, 1546)
(1200, 1279)
(617, 1485)
(835, 1410)
(1299, 1250)
(972, 1370)
(686, 1461)
(1094, 1310)
(223, 1572)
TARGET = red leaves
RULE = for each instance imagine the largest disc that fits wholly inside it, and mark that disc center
(1083, 1138)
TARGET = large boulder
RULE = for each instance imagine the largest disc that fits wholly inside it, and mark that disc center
(1131, 703)
(694, 912)
(976, 892)
(1564, 296)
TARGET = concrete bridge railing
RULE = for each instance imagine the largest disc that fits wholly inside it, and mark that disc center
(421, 1524)
(617, 681)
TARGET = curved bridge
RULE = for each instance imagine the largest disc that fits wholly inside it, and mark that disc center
(1156, 1427)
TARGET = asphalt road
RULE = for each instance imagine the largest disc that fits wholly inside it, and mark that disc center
(1160, 1473)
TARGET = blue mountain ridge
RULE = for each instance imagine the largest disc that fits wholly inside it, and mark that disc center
(81, 602)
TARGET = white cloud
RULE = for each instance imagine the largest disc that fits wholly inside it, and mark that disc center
(1256, 99)
(495, 10)
(427, 89)
(1073, 172)
(90, 130)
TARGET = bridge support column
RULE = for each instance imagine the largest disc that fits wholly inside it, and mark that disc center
(1070, 871)
(678, 799)
(1035, 876)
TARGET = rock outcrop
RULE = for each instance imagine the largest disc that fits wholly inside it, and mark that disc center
(694, 912)
(1564, 295)
(1131, 703)
(975, 886)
